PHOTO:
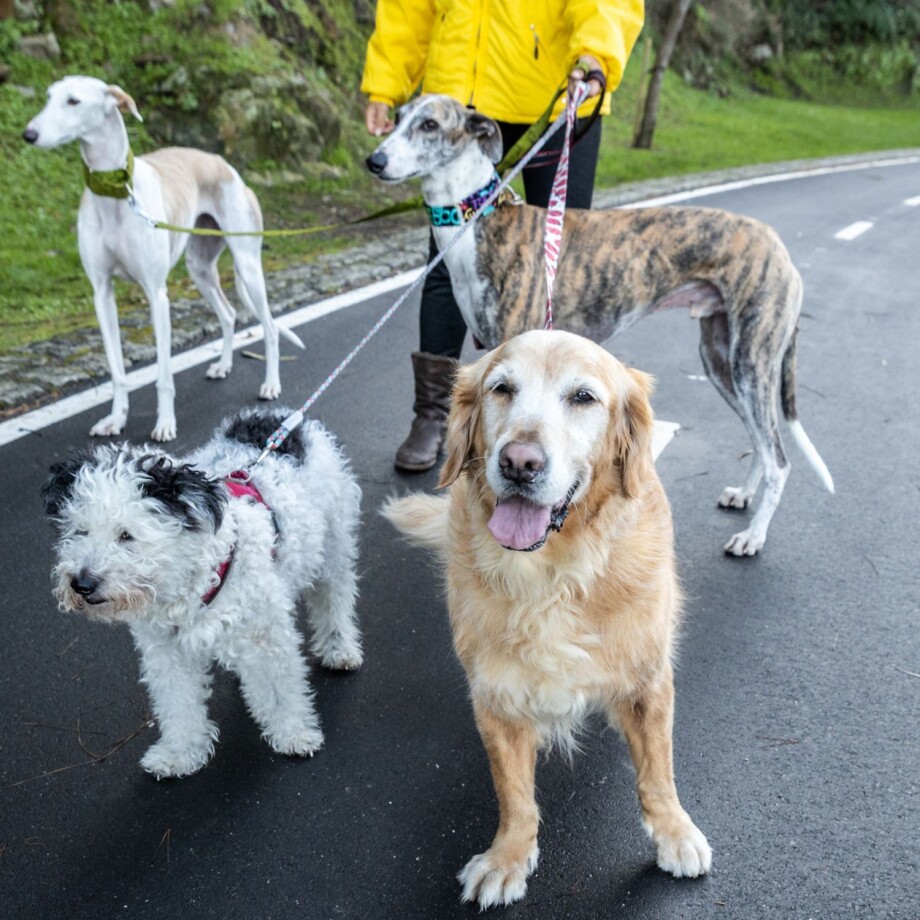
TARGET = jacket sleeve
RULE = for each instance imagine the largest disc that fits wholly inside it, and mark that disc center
(605, 30)
(397, 50)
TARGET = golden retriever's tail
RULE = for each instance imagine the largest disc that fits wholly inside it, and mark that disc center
(422, 518)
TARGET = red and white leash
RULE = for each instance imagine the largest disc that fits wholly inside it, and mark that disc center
(555, 210)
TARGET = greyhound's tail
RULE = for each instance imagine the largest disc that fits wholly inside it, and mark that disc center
(790, 412)
(292, 337)
(422, 518)
(243, 294)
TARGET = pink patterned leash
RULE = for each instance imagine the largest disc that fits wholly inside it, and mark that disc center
(555, 210)
(277, 437)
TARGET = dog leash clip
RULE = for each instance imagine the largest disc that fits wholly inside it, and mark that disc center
(265, 452)
(132, 203)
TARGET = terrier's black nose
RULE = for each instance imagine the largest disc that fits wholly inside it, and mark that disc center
(376, 162)
(30, 135)
(84, 584)
(521, 462)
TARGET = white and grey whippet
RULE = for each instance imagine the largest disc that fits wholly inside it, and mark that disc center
(733, 273)
(177, 185)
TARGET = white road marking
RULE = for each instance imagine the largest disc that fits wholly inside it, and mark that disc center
(40, 418)
(661, 436)
(854, 230)
(15, 428)
(766, 180)
(912, 202)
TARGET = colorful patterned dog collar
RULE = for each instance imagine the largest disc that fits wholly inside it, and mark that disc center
(456, 215)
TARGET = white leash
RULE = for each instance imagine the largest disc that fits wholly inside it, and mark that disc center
(555, 210)
(276, 439)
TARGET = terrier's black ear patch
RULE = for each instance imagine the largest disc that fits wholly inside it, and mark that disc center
(254, 428)
(183, 491)
(57, 490)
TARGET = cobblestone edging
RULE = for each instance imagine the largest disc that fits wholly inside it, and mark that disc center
(33, 375)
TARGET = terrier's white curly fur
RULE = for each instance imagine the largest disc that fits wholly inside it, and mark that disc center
(142, 537)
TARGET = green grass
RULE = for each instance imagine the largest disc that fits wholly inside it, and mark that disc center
(44, 291)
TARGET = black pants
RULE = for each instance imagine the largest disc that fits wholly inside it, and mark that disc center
(441, 326)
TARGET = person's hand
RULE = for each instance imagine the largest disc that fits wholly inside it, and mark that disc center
(585, 63)
(377, 118)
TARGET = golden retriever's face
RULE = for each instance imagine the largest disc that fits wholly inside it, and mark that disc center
(548, 419)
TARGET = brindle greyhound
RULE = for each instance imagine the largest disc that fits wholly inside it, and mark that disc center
(732, 272)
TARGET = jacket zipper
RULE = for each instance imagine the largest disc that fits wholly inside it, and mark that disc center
(536, 42)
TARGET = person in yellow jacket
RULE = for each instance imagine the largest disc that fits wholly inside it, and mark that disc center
(506, 59)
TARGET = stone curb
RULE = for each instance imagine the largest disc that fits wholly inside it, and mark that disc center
(37, 374)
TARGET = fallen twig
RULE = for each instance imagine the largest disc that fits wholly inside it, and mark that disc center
(693, 476)
(60, 728)
(167, 835)
(775, 742)
(94, 757)
(257, 357)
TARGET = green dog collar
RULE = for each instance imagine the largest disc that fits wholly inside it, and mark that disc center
(111, 183)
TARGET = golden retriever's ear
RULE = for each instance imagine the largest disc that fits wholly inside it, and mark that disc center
(633, 432)
(462, 423)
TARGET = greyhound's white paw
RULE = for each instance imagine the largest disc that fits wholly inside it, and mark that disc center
(219, 369)
(685, 856)
(109, 426)
(733, 497)
(746, 543)
(269, 391)
(492, 881)
(165, 761)
(164, 431)
(302, 743)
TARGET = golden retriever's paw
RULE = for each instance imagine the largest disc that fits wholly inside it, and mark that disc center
(493, 882)
(686, 855)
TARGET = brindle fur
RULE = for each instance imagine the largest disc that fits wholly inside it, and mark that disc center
(732, 272)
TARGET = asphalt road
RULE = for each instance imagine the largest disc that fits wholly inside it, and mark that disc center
(798, 686)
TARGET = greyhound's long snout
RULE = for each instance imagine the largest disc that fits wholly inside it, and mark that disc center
(30, 135)
(376, 162)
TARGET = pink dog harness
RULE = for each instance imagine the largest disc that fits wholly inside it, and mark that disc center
(239, 486)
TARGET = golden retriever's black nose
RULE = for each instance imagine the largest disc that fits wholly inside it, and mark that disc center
(84, 584)
(376, 162)
(520, 461)
(30, 135)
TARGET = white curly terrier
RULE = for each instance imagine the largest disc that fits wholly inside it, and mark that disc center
(204, 569)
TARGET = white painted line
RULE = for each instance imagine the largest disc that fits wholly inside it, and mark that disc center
(661, 436)
(912, 202)
(22, 425)
(25, 424)
(767, 180)
(854, 230)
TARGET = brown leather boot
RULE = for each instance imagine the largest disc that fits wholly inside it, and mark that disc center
(434, 377)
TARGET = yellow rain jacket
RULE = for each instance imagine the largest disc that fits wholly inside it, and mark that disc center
(504, 57)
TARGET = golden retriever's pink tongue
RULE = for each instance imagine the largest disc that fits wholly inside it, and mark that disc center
(518, 523)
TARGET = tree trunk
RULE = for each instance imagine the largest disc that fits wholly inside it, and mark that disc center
(679, 10)
(6, 9)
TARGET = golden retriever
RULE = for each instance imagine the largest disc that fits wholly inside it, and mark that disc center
(562, 590)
